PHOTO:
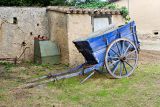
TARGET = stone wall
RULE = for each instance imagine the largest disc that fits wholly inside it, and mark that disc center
(79, 26)
(118, 20)
(64, 28)
(18, 27)
(58, 33)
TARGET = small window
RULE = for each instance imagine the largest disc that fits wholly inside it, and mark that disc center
(100, 22)
(15, 21)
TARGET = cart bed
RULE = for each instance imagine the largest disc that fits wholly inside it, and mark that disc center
(93, 48)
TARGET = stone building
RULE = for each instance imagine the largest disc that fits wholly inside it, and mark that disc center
(68, 24)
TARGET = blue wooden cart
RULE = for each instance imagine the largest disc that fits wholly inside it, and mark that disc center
(112, 49)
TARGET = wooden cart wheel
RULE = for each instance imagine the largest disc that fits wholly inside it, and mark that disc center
(121, 58)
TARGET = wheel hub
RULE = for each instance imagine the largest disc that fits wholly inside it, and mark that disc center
(122, 58)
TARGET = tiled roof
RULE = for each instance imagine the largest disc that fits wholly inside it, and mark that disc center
(73, 10)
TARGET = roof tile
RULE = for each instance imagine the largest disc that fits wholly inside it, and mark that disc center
(73, 10)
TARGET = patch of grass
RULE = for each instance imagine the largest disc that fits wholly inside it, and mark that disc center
(7, 65)
(2, 93)
(139, 90)
(102, 93)
(126, 91)
(2, 98)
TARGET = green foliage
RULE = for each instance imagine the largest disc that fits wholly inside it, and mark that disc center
(94, 4)
(124, 12)
(112, 6)
(31, 2)
(57, 2)
(7, 65)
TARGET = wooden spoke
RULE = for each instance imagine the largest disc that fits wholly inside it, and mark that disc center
(118, 49)
(122, 49)
(127, 54)
(131, 58)
(113, 63)
(128, 64)
(116, 67)
(115, 52)
(127, 49)
(125, 68)
(121, 70)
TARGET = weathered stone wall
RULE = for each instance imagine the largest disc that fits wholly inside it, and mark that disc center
(118, 20)
(79, 26)
(1, 30)
(31, 22)
(58, 33)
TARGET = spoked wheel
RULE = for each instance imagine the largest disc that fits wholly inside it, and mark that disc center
(121, 58)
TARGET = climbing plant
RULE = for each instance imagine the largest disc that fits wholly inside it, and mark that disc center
(94, 4)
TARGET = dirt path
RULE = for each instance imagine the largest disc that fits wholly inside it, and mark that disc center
(149, 57)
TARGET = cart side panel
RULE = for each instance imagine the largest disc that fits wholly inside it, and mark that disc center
(129, 31)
